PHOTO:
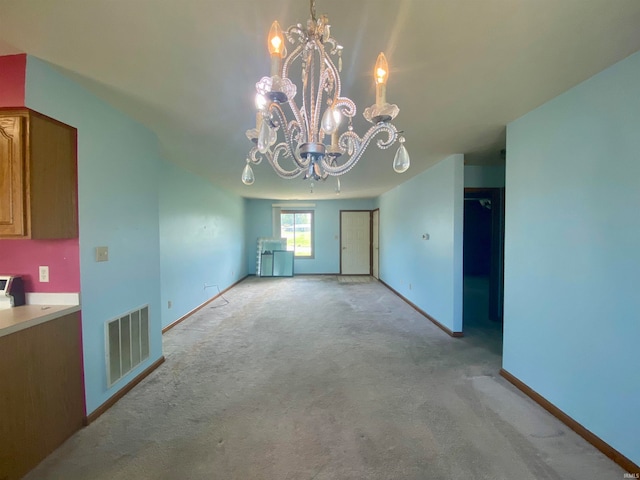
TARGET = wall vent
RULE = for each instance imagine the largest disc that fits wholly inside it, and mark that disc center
(127, 343)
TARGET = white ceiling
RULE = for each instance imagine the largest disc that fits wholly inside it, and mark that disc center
(460, 70)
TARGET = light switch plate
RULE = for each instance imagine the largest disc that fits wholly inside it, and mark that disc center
(102, 254)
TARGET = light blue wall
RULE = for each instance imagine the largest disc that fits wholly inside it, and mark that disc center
(326, 235)
(481, 176)
(572, 306)
(118, 207)
(201, 240)
(426, 272)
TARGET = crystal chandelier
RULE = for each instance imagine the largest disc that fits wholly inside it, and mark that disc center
(308, 140)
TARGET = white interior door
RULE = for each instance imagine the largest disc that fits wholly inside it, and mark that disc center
(375, 244)
(355, 243)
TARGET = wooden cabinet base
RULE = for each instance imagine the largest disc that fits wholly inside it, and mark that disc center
(42, 396)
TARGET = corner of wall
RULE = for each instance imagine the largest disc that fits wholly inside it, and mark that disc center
(458, 240)
(427, 273)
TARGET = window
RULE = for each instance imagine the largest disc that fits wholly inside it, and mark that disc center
(297, 227)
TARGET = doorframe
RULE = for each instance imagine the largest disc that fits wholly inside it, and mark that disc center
(496, 274)
(370, 238)
(372, 243)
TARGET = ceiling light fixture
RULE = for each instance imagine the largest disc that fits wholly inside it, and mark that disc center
(300, 137)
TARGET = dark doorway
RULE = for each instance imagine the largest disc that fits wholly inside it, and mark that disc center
(483, 259)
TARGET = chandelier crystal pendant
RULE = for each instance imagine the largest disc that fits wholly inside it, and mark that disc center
(307, 138)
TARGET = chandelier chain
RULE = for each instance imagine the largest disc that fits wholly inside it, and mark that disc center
(312, 8)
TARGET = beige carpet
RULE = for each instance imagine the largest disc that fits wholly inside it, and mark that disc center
(305, 378)
(355, 279)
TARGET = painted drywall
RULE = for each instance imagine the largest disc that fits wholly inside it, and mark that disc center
(326, 231)
(571, 309)
(12, 79)
(426, 272)
(484, 176)
(118, 207)
(202, 244)
(23, 257)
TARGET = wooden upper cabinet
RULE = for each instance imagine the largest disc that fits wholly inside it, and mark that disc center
(38, 177)
(11, 177)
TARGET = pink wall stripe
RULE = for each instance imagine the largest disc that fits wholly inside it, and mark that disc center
(23, 257)
(13, 71)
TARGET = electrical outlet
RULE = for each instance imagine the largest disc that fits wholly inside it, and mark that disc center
(169, 304)
(44, 273)
(409, 286)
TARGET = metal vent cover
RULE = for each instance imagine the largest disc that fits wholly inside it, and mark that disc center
(127, 343)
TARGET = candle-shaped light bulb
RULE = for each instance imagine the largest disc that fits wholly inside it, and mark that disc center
(381, 74)
(276, 48)
(334, 135)
(382, 69)
(276, 39)
(330, 120)
(261, 102)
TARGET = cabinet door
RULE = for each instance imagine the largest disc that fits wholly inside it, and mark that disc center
(42, 394)
(12, 194)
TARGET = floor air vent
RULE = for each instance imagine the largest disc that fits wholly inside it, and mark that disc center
(127, 339)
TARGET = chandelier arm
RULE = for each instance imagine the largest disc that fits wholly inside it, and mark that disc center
(292, 102)
(318, 105)
(334, 73)
(255, 157)
(326, 83)
(346, 105)
(334, 45)
(312, 94)
(304, 112)
(326, 74)
(296, 31)
(323, 80)
(290, 58)
(298, 119)
(292, 140)
(360, 145)
(273, 159)
(282, 123)
(292, 133)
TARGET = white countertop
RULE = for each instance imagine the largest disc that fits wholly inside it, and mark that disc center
(18, 318)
